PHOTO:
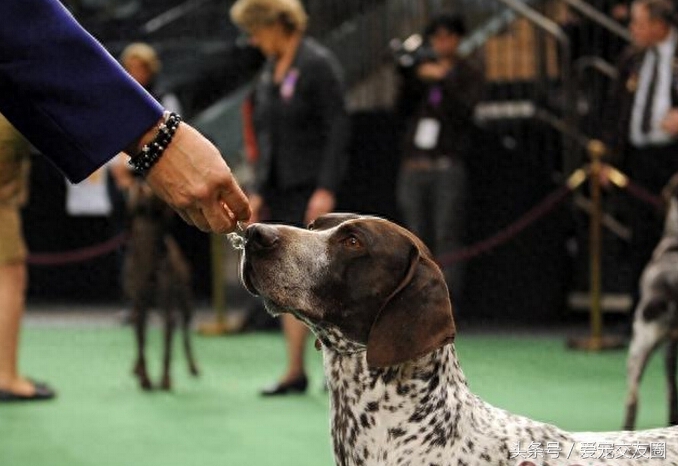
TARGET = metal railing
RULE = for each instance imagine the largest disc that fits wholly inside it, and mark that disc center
(601, 19)
(599, 39)
(535, 72)
(479, 37)
(172, 15)
(598, 64)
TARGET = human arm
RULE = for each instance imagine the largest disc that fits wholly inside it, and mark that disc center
(433, 71)
(462, 85)
(73, 101)
(64, 92)
(322, 202)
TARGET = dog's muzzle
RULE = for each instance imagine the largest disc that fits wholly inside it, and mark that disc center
(259, 239)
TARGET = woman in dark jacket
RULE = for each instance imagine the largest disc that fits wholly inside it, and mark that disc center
(302, 129)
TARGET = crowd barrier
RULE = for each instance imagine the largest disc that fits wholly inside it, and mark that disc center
(492, 270)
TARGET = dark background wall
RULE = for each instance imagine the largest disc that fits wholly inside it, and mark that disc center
(525, 279)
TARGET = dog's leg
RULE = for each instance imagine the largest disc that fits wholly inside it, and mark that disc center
(140, 316)
(181, 273)
(188, 348)
(646, 337)
(166, 383)
(672, 395)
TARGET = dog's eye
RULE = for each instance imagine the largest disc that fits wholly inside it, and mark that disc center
(352, 242)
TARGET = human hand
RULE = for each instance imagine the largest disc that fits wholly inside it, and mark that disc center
(670, 122)
(432, 71)
(620, 12)
(194, 180)
(322, 202)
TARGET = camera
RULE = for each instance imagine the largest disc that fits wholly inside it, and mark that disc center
(411, 52)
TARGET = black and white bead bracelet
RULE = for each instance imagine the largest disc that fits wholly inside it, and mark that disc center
(151, 152)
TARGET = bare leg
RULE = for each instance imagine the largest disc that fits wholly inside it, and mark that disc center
(13, 278)
(295, 337)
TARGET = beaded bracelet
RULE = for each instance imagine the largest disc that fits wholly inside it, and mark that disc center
(151, 152)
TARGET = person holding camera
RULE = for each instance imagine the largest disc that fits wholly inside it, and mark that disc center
(437, 98)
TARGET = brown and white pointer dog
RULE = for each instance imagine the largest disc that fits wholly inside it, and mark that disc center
(156, 273)
(656, 316)
(377, 302)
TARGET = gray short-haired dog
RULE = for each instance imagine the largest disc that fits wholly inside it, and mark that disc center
(656, 315)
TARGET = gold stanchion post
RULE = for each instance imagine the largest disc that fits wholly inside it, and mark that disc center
(219, 325)
(596, 341)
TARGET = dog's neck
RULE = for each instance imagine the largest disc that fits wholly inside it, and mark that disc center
(379, 415)
(372, 407)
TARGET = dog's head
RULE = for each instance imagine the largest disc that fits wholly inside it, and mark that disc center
(365, 278)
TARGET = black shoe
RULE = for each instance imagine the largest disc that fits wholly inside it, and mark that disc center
(297, 385)
(42, 392)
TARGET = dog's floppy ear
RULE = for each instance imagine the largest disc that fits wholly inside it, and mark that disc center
(416, 319)
(325, 222)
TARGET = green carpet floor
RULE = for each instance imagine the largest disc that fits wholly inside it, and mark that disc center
(102, 419)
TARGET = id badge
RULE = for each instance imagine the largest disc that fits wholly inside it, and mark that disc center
(426, 136)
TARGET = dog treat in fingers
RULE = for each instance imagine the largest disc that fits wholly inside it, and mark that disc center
(237, 239)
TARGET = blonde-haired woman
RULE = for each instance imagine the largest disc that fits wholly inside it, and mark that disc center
(302, 129)
(142, 62)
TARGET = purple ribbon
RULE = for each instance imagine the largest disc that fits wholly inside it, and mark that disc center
(289, 84)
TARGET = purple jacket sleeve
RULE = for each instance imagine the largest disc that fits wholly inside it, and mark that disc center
(63, 91)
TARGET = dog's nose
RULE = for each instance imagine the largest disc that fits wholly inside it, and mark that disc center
(261, 236)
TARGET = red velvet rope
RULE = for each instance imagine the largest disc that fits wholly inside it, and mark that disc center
(503, 236)
(78, 255)
(508, 233)
(644, 195)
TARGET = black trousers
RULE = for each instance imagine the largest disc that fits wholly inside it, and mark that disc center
(651, 167)
(288, 205)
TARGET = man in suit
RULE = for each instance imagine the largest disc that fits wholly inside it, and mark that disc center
(642, 119)
(74, 102)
